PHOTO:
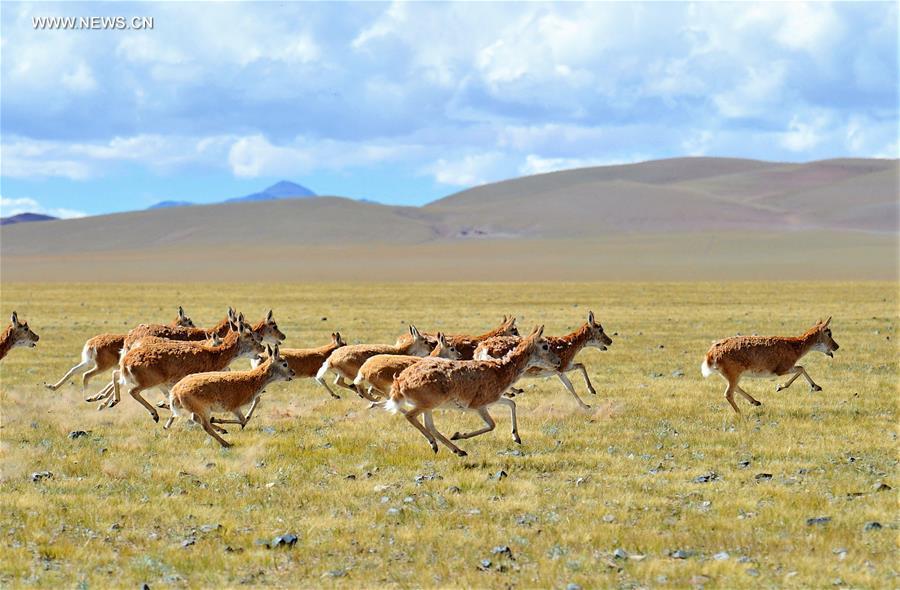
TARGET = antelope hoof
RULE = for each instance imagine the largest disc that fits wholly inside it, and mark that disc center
(155, 417)
(461, 453)
(816, 388)
(592, 390)
(162, 405)
(586, 407)
(756, 403)
(516, 438)
(456, 436)
(225, 444)
(335, 396)
(434, 447)
(780, 387)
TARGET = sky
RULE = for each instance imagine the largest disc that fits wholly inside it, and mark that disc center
(406, 103)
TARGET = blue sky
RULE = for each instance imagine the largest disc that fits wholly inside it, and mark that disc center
(405, 103)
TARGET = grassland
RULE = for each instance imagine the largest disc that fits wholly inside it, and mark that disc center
(372, 506)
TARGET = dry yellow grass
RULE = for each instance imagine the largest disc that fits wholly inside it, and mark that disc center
(123, 500)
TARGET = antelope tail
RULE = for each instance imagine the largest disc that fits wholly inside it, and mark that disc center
(396, 400)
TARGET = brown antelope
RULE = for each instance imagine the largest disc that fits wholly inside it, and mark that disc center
(266, 329)
(591, 334)
(466, 344)
(380, 370)
(766, 356)
(101, 353)
(169, 332)
(346, 361)
(304, 362)
(200, 394)
(16, 334)
(162, 363)
(467, 385)
(177, 332)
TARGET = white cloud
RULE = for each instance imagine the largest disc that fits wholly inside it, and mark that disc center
(148, 49)
(9, 207)
(697, 144)
(557, 136)
(803, 135)
(802, 26)
(81, 79)
(254, 156)
(756, 91)
(28, 158)
(537, 165)
(386, 24)
(469, 170)
(890, 152)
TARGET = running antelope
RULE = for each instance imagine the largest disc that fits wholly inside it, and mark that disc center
(266, 329)
(17, 334)
(162, 363)
(101, 353)
(766, 356)
(200, 394)
(168, 332)
(591, 334)
(346, 361)
(304, 362)
(466, 344)
(177, 332)
(380, 370)
(467, 385)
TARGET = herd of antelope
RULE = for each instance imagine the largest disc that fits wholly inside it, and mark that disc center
(419, 373)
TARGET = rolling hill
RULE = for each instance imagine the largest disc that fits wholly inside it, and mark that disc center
(677, 218)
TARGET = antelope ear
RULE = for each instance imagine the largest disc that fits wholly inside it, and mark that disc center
(415, 332)
(275, 352)
(441, 338)
(234, 326)
(230, 312)
(539, 331)
(591, 318)
(828, 321)
(269, 316)
(180, 311)
(14, 318)
(269, 350)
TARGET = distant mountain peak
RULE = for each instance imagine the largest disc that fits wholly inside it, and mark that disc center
(168, 204)
(280, 190)
(26, 218)
(283, 189)
(286, 187)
